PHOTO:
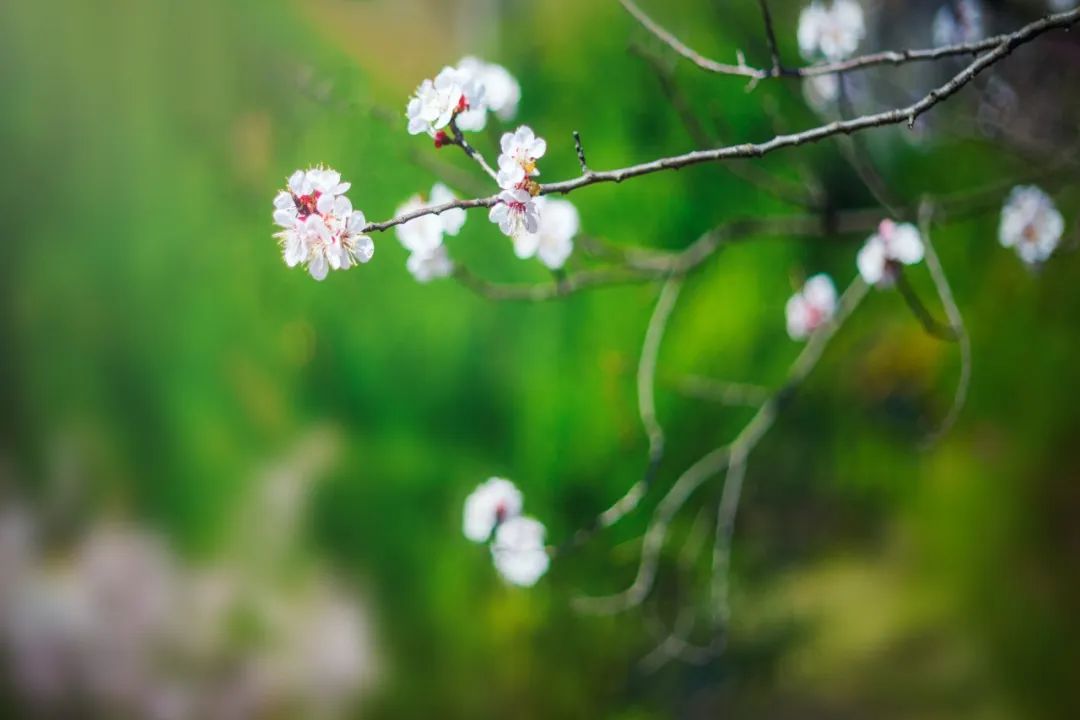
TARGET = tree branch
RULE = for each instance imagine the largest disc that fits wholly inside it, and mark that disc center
(1006, 44)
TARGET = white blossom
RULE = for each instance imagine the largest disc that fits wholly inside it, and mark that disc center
(319, 226)
(892, 245)
(958, 21)
(820, 91)
(428, 265)
(493, 502)
(517, 161)
(425, 233)
(1062, 5)
(436, 102)
(518, 551)
(811, 307)
(1030, 223)
(553, 240)
(833, 31)
(515, 213)
(501, 93)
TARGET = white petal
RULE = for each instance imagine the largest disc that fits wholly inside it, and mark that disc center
(871, 260)
(906, 245)
(318, 267)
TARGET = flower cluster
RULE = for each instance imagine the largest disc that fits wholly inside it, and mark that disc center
(893, 245)
(517, 548)
(463, 94)
(423, 236)
(811, 307)
(319, 226)
(832, 32)
(1031, 224)
(516, 212)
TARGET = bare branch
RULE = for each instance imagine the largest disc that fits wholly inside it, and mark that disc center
(956, 320)
(932, 326)
(580, 153)
(1007, 43)
(461, 142)
(717, 460)
(886, 57)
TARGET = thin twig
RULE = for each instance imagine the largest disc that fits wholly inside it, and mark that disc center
(580, 153)
(717, 460)
(956, 320)
(770, 36)
(932, 326)
(461, 142)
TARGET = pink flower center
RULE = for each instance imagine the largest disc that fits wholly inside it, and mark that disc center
(305, 204)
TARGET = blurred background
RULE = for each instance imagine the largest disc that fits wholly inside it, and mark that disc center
(224, 455)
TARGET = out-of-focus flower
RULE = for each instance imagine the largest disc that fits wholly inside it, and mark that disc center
(553, 240)
(501, 93)
(425, 233)
(832, 32)
(821, 91)
(436, 102)
(517, 161)
(1062, 5)
(958, 21)
(493, 502)
(884, 252)
(515, 213)
(319, 226)
(518, 551)
(1030, 223)
(428, 265)
(811, 307)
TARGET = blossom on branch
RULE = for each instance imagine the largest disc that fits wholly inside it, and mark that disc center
(1030, 223)
(891, 246)
(423, 236)
(426, 232)
(517, 161)
(515, 213)
(553, 240)
(518, 551)
(436, 102)
(493, 502)
(501, 93)
(320, 227)
(428, 265)
(833, 32)
(957, 22)
(811, 307)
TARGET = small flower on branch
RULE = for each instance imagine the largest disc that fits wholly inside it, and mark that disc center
(492, 502)
(811, 307)
(517, 161)
(515, 213)
(518, 551)
(1030, 223)
(833, 32)
(501, 93)
(893, 245)
(436, 102)
(553, 240)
